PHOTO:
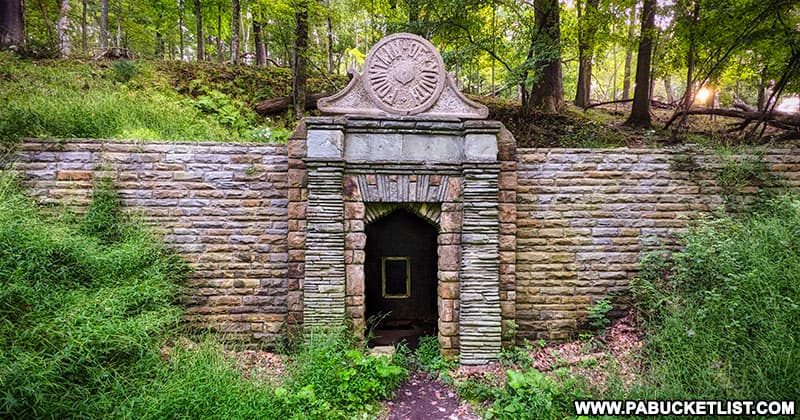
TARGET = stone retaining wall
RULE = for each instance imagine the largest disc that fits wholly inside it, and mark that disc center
(572, 222)
(223, 207)
(584, 215)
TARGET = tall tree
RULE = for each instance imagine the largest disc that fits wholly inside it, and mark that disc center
(159, 37)
(84, 35)
(219, 32)
(104, 25)
(587, 28)
(236, 15)
(626, 76)
(299, 58)
(548, 93)
(258, 40)
(640, 111)
(62, 27)
(12, 24)
(691, 54)
(181, 6)
(198, 14)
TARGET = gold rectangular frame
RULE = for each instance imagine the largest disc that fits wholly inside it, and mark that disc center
(408, 277)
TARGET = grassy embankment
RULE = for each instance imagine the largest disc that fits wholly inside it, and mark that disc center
(90, 327)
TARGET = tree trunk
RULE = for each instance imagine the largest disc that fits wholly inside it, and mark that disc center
(181, 6)
(201, 47)
(119, 23)
(62, 28)
(104, 25)
(280, 105)
(84, 40)
(329, 25)
(548, 93)
(299, 58)
(219, 32)
(12, 25)
(688, 94)
(626, 77)
(587, 27)
(159, 52)
(640, 111)
(261, 50)
(761, 102)
(236, 14)
(668, 88)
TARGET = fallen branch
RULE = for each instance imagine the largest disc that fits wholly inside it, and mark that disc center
(278, 105)
(653, 102)
(776, 119)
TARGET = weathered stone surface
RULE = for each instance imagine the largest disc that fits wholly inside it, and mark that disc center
(223, 207)
(403, 75)
(535, 240)
(583, 216)
(325, 144)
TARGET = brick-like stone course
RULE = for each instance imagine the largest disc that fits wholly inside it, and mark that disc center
(584, 215)
(222, 207)
(572, 222)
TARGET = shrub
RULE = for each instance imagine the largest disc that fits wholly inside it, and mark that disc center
(429, 355)
(333, 366)
(723, 311)
(124, 71)
(81, 322)
(531, 391)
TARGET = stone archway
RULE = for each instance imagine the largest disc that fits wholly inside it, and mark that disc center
(392, 147)
(401, 278)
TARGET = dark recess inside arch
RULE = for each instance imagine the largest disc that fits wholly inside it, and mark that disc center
(400, 235)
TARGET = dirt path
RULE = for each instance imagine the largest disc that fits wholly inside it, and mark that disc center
(425, 398)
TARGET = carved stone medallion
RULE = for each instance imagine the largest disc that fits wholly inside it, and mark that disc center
(404, 74)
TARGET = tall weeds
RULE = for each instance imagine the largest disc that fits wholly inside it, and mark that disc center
(723, 313)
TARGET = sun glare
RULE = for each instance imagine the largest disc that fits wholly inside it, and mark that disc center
(702, 95)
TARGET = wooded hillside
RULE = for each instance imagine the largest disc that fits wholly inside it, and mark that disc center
(694, 57)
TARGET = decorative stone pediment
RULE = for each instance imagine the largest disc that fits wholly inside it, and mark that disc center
(404, 75)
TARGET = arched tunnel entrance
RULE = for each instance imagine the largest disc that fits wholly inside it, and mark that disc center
(401, 278)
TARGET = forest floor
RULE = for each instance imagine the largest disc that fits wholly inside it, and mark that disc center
(613, 355)
(175, 100)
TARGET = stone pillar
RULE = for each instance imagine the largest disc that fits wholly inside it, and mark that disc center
(480, 318)
(324, 286)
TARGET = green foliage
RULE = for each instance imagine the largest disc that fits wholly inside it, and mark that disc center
(531, 391)
(225, 110)
(598, 313)
(266, 134)
(88, 327)
(73, 99)
(740, 168)
(429, 357)
(722, 312)
(334, 366)
(197, 381)
(124, 71)
(102, 220)
(81, 322)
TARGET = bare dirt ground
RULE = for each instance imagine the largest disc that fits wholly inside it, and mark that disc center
(260, 365)
(425, 398)
(614, 354)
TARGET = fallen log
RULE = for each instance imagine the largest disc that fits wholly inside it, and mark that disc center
(278, 105)
(776, 119)
(653, 102)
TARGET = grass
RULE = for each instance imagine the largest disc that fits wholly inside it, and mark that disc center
(81, 320)
(119, 100)
(723, 312)
(90, 327)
